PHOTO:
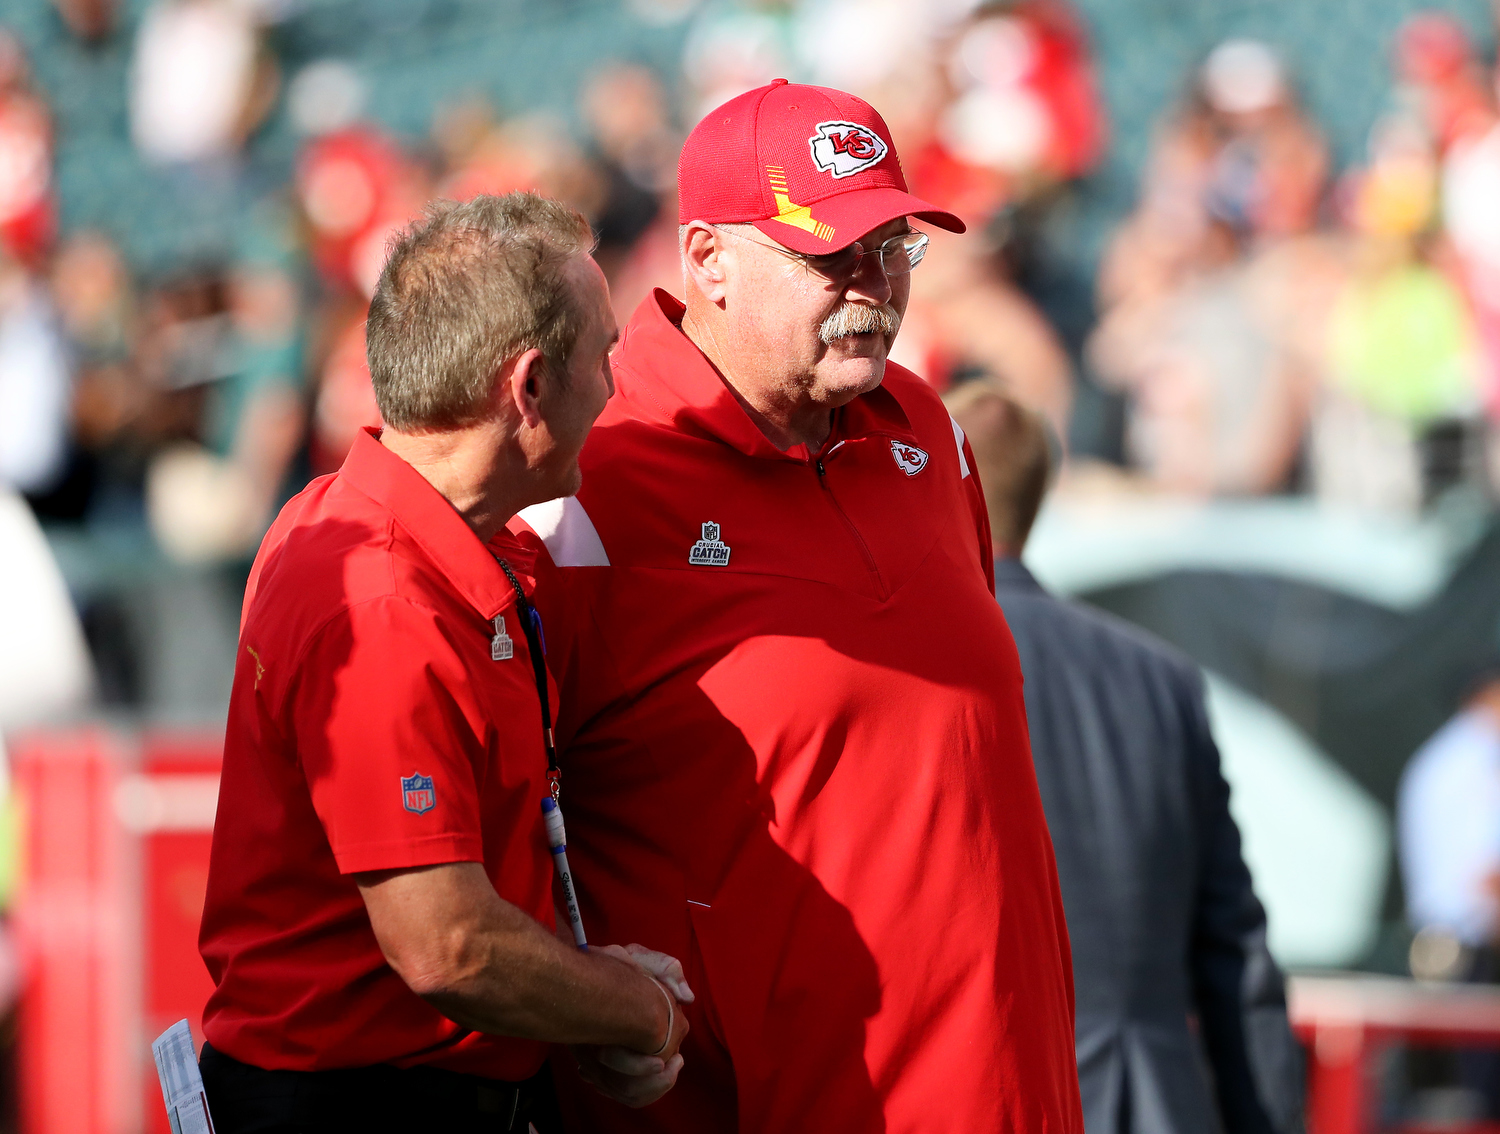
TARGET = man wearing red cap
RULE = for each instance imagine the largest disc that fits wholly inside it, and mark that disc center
(794, 741)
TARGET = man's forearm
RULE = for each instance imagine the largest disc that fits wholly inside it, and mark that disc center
(488, 966)
(522, 981)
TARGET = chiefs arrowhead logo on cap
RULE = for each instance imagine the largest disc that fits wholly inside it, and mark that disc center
(845, 148)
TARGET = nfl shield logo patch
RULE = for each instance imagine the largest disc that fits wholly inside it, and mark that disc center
(417, 793)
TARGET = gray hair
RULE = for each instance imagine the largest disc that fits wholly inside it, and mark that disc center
(463, 291)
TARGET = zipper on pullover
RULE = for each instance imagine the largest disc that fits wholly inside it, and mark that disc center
(859, 540)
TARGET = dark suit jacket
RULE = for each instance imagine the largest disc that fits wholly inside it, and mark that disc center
(1165, 927)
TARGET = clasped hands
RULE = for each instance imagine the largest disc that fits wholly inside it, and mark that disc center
(637, 1078)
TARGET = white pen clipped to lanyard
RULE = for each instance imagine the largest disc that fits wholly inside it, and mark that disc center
(557, 839)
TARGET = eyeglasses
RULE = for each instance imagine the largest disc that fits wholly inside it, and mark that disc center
(897, 256)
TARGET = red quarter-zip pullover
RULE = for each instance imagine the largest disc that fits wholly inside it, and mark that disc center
(795, 754)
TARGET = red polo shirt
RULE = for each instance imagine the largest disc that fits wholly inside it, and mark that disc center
(369, 729)
(795, 755)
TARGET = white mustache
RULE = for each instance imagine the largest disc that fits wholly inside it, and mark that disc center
(859, 318)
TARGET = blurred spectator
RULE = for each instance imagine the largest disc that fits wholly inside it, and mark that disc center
(256, 417)
(535, 151)
(1448, 810)
(966, 319)
(325, 96)
(44, 671)
(200, 81)
(1000, 110)
(1448, 806)
(862, 45)
(1268, 165)
(213, 495)
(91, 287)
(636, 148)
(652, 262)
(35, 384)
(183, 347)
(1024, 101)
(1439, 71)
(1403, 365)
(1239, 162)
(1446, 91)
(636, 144)
(1398, 418)
(355, 187)
(734, 46)
(44, 664)
(1471, 187)
(1197, 325)
(345, 402)
(88, 19)
(27, 211)
(1216, 405)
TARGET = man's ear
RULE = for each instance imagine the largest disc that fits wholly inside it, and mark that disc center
(703, 259)
(521, 383)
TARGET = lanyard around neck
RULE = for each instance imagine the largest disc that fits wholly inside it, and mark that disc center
(536, 646)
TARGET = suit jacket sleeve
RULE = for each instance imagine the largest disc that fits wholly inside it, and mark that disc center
(1238, 989)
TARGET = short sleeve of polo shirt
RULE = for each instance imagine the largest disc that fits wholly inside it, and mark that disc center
(382, 704)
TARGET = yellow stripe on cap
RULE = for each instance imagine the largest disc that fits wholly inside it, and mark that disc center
(789, 212)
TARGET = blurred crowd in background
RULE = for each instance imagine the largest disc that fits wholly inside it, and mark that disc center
(1267, 322)
(1262, 322)
(1264, 315)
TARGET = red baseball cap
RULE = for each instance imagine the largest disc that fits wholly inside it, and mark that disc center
(812, 168)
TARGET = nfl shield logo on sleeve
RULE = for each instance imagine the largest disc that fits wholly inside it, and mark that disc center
(417, 793)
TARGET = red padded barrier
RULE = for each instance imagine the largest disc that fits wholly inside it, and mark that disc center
(1348, 1022)
(114, 863)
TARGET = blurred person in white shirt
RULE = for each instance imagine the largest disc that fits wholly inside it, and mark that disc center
(1448, 812)
(35, 384)
(45, 672)
(1448, 816)
(201, 78)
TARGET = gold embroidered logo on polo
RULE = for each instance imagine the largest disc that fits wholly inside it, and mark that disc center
(788, 212)
(260, 669)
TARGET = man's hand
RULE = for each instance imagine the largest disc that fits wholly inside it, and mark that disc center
(632, 1077)
(629, 1077)
(666, 969)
